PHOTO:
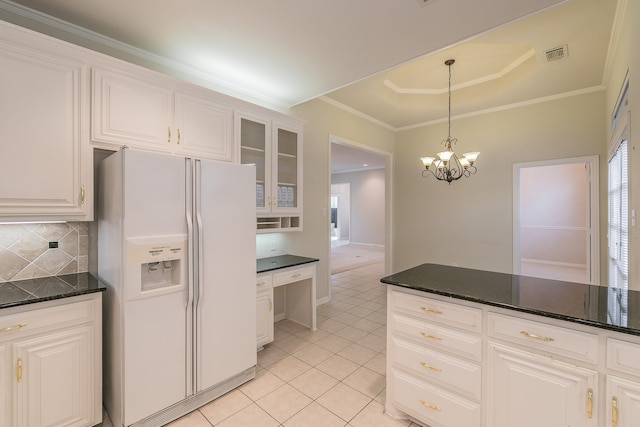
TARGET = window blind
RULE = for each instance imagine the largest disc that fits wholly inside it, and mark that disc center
(618, 232)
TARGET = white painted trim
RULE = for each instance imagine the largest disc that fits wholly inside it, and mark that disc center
(594, 210)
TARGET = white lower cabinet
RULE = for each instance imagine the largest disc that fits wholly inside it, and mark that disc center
(50, 365)
(622, 402)
(264, 310)
(453, 363)
(529, 390)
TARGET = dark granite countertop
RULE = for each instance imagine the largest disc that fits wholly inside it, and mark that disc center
(21, 292)
(281, 261)
(598, 306)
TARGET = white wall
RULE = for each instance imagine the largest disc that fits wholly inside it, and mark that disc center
(367, 205)
(325, 122)
(470, 222)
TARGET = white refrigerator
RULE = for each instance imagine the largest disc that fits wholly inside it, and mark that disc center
(176, 249)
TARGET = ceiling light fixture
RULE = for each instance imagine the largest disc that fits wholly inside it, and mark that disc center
(448, 167)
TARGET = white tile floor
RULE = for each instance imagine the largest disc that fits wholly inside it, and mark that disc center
(334, 376)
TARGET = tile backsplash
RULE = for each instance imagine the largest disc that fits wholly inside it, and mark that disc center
(29, 250)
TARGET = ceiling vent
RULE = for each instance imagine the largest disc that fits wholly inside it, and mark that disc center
(557, 53)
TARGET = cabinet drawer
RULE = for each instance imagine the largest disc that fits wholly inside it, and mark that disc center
(566, 342)
(264, 282)
(623, 356)
(431, 404)
(293, 275)
(438, 337)
(454, 373)
(438, 311)
(23, 323)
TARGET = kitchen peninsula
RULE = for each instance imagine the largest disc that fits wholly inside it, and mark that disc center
(478, 348)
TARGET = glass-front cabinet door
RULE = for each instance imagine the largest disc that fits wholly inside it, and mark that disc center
(287, 169)
(275, 147)
(254, 149)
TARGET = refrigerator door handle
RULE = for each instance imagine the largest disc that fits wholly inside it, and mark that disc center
(198, 196)
(189, 207)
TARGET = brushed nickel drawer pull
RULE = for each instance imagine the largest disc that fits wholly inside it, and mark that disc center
(295, 276)
(14, 327)
(431, 368)
(432, 407)
(430, 311)
(536, 337)
(261, 283)
(431, 337)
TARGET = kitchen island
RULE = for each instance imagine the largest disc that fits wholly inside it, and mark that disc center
(478, 348)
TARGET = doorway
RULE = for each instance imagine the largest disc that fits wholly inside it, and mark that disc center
(340, 214)
(555, 225)
(359, 219)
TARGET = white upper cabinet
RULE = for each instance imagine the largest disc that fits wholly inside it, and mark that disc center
(46, 172)
(275, 148)
(149, 111)
(130, 111)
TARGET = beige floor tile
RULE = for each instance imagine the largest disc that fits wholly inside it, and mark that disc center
(270, 355)
(225, 406)
(357, 353)
(284, 402)
(343, 401)
(289, 326)
(291, 344)
(315, 415)
(252, 415)
(313, 354)
(314, 383)
(333, 343)
(288, 368)
(366, 382)
(366, 325)
(331, 325)
(378, 364)
(312, 336)
(373, 342)
(338, 367)
(193, 419)
(264, 383)
(373, 415)
(350, 333)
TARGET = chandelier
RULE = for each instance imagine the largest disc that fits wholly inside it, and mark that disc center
(448, 166)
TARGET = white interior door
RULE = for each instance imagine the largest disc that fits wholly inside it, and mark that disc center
(555, 220)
